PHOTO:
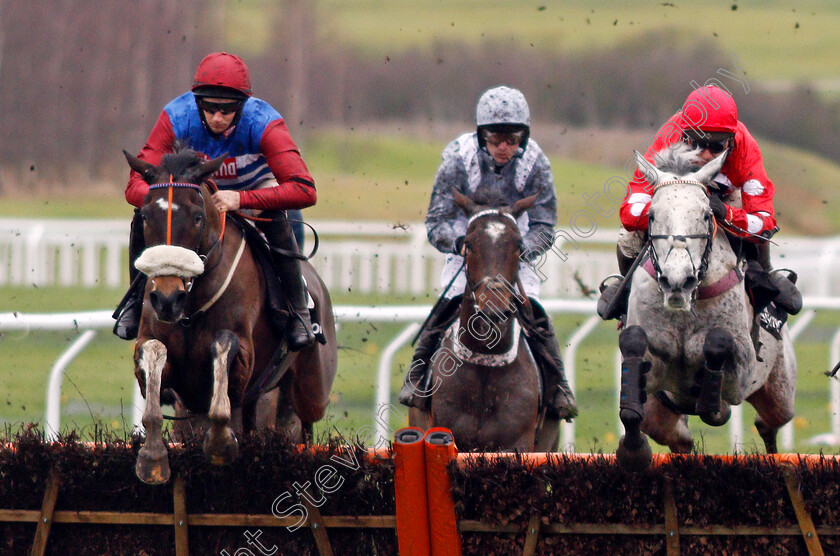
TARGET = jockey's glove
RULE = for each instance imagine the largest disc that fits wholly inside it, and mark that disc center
(718, 208)
(459, 245)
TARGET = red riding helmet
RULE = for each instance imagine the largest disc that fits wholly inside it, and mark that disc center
(222, 75)
(710, 109)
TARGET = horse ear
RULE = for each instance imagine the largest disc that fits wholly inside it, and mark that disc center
(147, 171)
(468, 205)
(209, 168)
(650, 173)
(522, 205)
(711, 169)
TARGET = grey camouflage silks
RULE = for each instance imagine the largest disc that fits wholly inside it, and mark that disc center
(444, 219)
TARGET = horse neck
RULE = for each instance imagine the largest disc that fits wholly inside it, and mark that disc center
(472, 325)
(721, 259)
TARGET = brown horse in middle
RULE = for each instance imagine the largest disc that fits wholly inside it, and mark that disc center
(485, 382)
(205, 331)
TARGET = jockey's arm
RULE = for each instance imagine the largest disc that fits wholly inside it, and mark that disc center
(442, 208)
(542, 216)
(295, 187)
(757, 214)
(160, 141)
(634, 207)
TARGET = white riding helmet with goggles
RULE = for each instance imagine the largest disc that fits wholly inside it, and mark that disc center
(503, 110)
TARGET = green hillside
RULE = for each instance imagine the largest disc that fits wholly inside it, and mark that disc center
(387, 174)
(803, 35)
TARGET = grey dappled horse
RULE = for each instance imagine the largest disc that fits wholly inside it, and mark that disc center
(690, 323)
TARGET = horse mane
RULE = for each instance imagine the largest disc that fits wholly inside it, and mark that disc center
(490, 198)
(680, 160)
(181, 160)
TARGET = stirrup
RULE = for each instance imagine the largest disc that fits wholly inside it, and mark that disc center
(604, 284)
(609, 305)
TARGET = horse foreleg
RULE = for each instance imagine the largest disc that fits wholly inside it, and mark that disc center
(667, 427)
(771, 414)
(220, 444)
(634, 453)
(419, 418)
(152, 461)
(717, 348)
(774, 401)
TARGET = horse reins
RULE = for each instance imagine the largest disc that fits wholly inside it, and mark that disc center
(673, 239)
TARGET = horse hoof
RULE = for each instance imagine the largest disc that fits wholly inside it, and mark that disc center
(634, 458)
(717, 418)
(221, 451)
(152, 470)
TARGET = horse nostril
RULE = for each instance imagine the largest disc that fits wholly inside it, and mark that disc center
(179, 298)
(690, 283)
(154, 298)
(663, 283)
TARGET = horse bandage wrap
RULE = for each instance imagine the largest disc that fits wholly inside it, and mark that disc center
(169, 260)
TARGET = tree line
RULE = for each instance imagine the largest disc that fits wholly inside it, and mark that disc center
(81, 80)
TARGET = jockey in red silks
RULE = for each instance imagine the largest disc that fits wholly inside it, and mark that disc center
(263, 171)
(743, 204)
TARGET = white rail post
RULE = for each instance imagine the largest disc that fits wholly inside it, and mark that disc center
(383, 382)
(569, 356)
(52, 419)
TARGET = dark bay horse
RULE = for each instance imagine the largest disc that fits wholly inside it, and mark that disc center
(205, 331)
(690, 324)
(485, 381)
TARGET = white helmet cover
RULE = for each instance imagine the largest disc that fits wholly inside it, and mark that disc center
(502, 105)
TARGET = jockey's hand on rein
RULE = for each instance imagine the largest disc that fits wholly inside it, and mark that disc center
(459, 245)
(226, 200)
(717, 206)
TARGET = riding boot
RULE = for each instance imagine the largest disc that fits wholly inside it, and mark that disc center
(558, 398)
(415, 392)
(789, 299)
(613, 291)
(127, 313)
(281, 242)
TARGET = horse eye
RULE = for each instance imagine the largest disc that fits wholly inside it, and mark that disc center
(198, 218)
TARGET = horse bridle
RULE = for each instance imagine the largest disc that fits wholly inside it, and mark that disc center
(171, 188)
(471, 287)
(700, 272)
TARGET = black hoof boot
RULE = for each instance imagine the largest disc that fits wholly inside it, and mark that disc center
(717, 349)
(634, 453)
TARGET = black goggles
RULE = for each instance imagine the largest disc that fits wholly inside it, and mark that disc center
(225, 108)
(496, 139)
(714, 147)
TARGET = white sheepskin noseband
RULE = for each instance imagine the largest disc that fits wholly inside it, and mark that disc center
(169, 260)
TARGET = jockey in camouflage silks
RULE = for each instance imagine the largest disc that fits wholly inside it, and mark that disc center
(499, 164)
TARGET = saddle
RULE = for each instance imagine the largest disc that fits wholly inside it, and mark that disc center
(276, 300)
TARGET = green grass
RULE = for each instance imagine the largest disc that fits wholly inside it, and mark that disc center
(99, 383)
(772, 40)
(387, 174)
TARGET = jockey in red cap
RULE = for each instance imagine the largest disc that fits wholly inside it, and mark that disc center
(263, 172)
(743, 203)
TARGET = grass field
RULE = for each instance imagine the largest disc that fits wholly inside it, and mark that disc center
(773, 40)
(387, 172)
(98, 385)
